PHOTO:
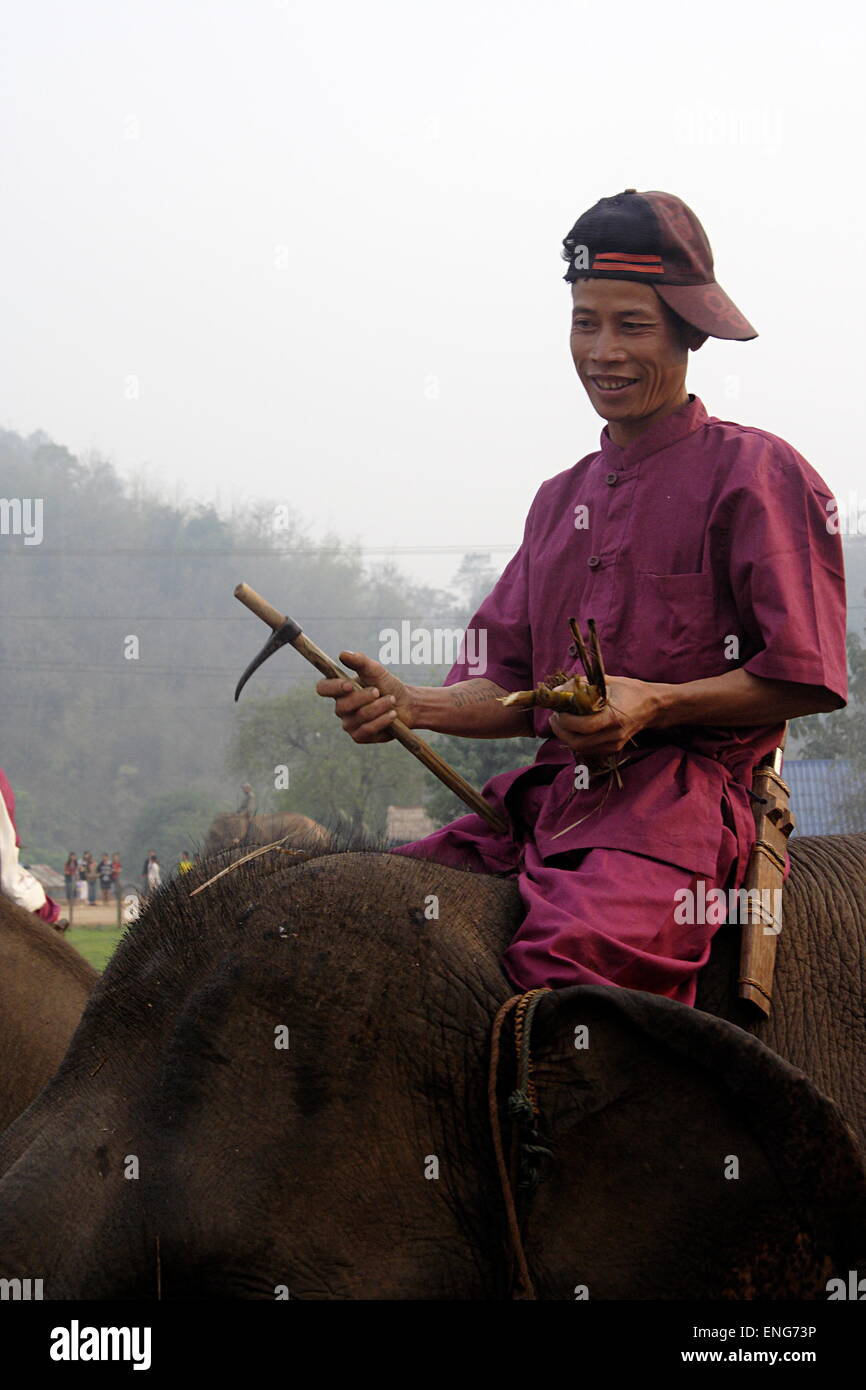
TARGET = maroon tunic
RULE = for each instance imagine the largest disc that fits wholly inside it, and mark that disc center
(699, 547)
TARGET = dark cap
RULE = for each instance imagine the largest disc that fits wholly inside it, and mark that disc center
(656, 239)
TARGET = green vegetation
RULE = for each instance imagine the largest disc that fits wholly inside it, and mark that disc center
(478, 759)
(842, 734)
(169, 824)
(96, 944)
(329, 777)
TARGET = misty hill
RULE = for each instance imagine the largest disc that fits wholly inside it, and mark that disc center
(121, 644)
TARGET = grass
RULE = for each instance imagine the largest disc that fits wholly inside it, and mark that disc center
(96, 944)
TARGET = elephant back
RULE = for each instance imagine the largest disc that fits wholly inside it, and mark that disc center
(818, 1017)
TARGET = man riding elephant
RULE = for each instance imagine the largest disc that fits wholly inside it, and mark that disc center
(702, 550)
(17, 883)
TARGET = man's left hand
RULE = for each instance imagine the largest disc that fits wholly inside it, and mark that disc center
(631, 706)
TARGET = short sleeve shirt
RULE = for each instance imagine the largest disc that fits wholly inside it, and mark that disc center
(701, 546)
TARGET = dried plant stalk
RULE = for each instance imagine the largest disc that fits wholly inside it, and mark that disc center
(585, 694)
(577, 696)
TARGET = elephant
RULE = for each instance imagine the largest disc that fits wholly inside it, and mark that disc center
(240, 831)
(292, 1066)
(44, 986)
(818, 1017)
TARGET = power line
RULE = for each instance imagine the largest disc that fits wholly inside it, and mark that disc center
(232, 672)
(222, 672)
(216, 618)
(123, 709)
(273, 552)
(117, 710)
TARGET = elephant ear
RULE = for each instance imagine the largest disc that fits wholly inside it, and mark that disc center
(689, 1161)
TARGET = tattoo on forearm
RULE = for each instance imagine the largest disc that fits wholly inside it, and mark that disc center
(481, 692)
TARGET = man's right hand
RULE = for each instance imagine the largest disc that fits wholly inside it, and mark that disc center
(365, 714)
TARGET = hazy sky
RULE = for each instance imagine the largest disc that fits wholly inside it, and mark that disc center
(310, 251)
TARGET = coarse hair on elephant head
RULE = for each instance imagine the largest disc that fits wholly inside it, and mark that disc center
(293, 1062)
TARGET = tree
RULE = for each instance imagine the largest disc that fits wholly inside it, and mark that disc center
(476, 759)
(295, 738)
(842, 734)
(169, 824)
(474, 579)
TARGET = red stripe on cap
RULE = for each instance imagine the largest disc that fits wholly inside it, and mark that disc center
(626, 256)
(633, 265)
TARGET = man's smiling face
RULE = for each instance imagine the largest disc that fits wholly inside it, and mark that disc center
(630, 352)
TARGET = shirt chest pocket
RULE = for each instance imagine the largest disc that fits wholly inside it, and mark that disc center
(682, 616)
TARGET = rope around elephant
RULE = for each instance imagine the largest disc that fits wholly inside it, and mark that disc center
(523, 1172)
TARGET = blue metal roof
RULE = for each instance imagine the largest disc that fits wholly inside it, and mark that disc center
(820, 788)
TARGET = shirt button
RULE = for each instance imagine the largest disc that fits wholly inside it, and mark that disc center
(611, 479)
(593, 562)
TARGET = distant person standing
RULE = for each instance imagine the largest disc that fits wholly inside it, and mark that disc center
(154, 877)
(17, 883)
(247, 808)
(82, 877)
(184, 863)
(92, 879)
(105, 877)
(145, 869)
(116, 870)
(70, 875)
